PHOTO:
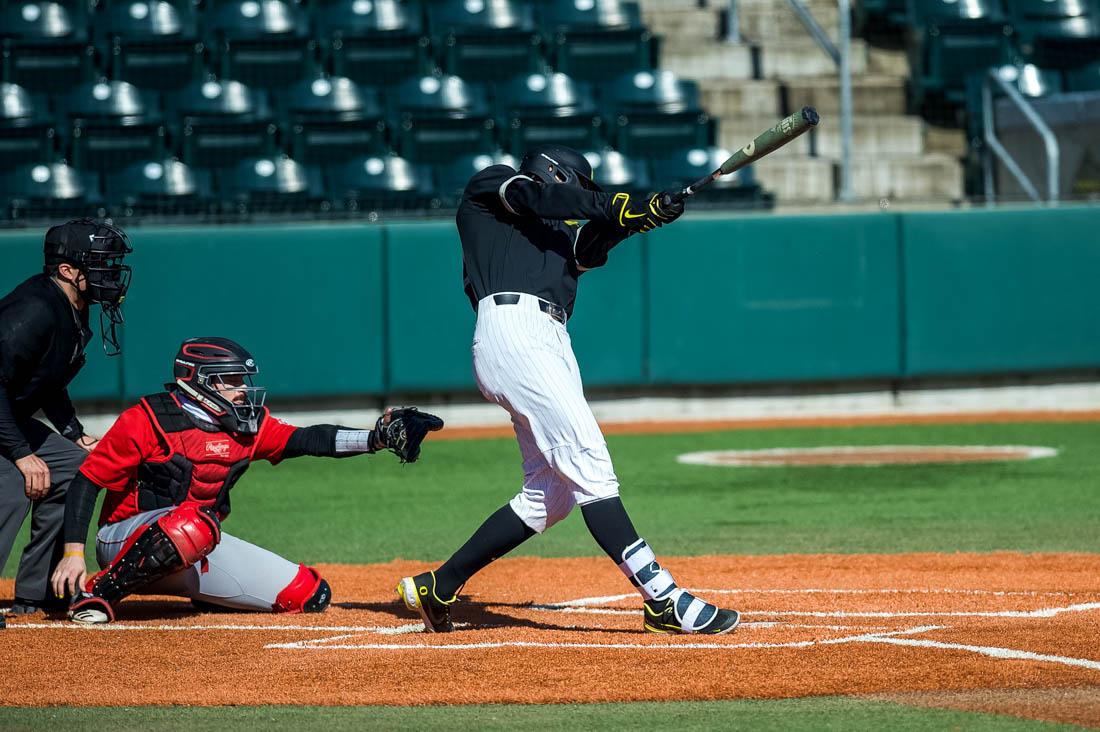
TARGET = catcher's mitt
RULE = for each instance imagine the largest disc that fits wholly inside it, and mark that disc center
(402, 429)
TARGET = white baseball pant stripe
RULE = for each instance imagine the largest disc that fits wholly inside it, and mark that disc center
(523, 361)
(236, 574)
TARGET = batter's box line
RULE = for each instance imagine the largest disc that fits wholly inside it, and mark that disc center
(585, 601)
(315, 644)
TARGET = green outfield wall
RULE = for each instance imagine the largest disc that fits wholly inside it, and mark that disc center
(378, 308)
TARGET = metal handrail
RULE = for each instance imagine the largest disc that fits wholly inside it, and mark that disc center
(842, 58)
(1050, 143)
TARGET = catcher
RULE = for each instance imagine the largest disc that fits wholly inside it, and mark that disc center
(168, 465)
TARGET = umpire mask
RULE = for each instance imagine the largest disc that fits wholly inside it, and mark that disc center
(97, 249)
(558, 164)
(217, 374)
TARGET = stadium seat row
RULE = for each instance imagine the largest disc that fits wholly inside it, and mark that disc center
(949, 40)
(277, 184)
(106, 125)
(168, 43)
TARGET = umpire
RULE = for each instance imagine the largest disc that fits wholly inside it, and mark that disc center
(43, 332)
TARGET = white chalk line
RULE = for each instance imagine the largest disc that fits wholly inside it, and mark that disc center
(992, 651)
(585, 601)
(308, 645)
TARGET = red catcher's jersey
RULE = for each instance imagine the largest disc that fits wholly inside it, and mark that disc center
(135, 439)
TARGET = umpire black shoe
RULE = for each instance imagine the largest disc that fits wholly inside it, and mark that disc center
(683, 613)
(19, 606)
(419, 594)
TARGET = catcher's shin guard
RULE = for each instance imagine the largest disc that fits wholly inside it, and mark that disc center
(176, 540)
(306, 593)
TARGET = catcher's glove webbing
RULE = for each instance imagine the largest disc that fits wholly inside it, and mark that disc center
(402, 429)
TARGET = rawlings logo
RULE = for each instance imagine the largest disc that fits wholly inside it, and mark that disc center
(218, 449)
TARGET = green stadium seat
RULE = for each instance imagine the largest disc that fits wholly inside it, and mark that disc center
(262, 43)
(438, 118)
(27, 133)
(111, 124)
(273, 184)
(378, 42)
(152, 44)
(219, 122)
(1083, 79)
(162, 187)
(614, 171)
(332, 118)
(1028, 79)
(369, 182)
(544, 108)
(451, 178)
(595, 40)
(1057, 33)
(49, 190)
(680, 167)
(948, 41)
(45, 46)
(878, 18)
(486, 40)
(655, 111)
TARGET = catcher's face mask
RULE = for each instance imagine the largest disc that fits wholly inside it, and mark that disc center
(97, 249)
(218, 375)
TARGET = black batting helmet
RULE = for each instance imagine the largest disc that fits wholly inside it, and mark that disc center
(206, 367)
(558, 164)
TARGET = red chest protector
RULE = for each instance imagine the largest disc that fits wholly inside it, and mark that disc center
(198, 466)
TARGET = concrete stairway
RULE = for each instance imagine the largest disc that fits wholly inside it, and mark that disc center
(776, 69)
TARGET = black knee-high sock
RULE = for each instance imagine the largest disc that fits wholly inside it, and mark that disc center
(610, 526)
(499, 534)
(613, 530)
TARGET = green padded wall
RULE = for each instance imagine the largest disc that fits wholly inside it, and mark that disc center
(306, 301)
(764, 298)
(995, 291)
(372, 309)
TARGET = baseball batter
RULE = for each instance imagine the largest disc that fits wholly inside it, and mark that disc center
(168, 464)
(523, 253)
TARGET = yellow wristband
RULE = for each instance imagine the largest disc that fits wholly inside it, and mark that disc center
(75, 554)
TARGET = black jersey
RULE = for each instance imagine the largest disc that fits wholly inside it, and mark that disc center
(519, 235)
(42, 340)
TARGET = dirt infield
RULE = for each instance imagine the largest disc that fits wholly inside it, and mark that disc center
(1000, 627)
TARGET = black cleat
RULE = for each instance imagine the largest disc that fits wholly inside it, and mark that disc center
(419, 594)
(683, 613)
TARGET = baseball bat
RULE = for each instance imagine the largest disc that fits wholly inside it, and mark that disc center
(766, 142)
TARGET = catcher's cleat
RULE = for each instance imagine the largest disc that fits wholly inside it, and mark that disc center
(684, 613)
(88, 609)
(419, 594)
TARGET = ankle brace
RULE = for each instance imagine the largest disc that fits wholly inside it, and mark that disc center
(641, 568)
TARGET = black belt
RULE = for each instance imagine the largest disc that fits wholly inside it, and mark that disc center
(557, 312)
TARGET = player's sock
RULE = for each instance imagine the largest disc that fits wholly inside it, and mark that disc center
(611, 527)
(499, 534)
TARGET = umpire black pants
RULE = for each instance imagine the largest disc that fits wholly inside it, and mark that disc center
(44, 549)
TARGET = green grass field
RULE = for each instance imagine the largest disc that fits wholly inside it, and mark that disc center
(372, 509)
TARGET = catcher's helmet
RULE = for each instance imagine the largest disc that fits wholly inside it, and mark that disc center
(205, 367)
(97, 249)
(558, 164)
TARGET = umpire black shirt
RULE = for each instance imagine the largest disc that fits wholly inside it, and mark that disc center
(42, 340)
(519, 235)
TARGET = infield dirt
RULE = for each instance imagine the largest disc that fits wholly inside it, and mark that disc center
(1002, 632)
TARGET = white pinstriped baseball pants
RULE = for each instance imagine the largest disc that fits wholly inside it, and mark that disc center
(523, 361)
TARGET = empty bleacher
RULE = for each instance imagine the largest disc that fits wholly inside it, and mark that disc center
(358, 105)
